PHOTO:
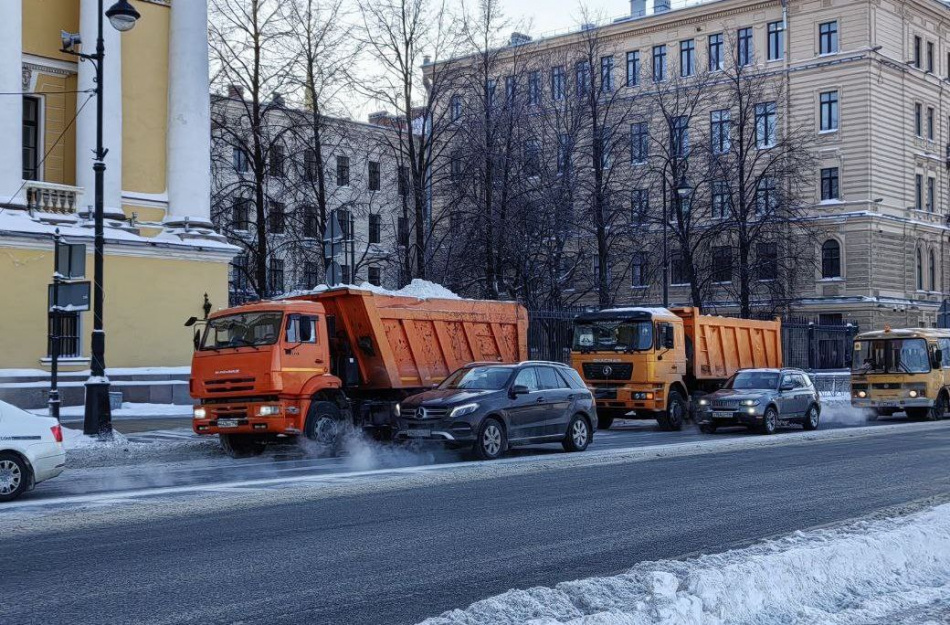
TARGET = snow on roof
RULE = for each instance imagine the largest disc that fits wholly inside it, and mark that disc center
(655, 311)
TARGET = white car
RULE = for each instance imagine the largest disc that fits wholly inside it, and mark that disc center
(31, 450)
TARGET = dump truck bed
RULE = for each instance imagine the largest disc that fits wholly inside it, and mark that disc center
(723, 345)
(407, 343)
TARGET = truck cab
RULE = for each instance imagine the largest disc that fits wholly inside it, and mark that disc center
(905, 370)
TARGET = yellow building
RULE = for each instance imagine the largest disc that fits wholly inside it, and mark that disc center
(161, 253)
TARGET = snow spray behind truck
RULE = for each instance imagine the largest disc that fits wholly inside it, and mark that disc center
(650, 360)
(314, 363)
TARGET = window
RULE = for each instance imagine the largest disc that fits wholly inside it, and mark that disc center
(402, 225)
(374, 175)
(931, 193)
(776, 41)
(528, 379)
(532, 157)
(766, 198)
(765, 125)
(829, 183)
(275, 217)
(639, 270)
(687, 57)
(932, 271)
(745, 47)
(310, 274)
(402, 180)
(239, 160)
(510, 89)
(309, 165)
(607, 73)
(829, 111)
(604, 146)
(346, 221)
(722, 264)
(490, 89)
(633, 68)
(563, 153)
(65, 325)
(239, 273)
(275, 276)
(639, 206)
(659, 63)
(721, 199)
(455, 166)
(311, 228)
(582, 77)
(345, 277)
(534, 88)
(716, 60)
(639, 142)
(917, 52)
(920, 271)
(830, 259)
(919, 119)
(301, 329)
(828, 38)
(930, 57)
(277, 161)
(342, 171)
(930, 123)
(919, 192)
(679, 136)
(456, 108)
(720, 131)
(375, 228)
(767, 266)
(241, 213)
(557, 83)
(679, 271)
(374, 276)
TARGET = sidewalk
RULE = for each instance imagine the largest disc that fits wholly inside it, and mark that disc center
(137, 424)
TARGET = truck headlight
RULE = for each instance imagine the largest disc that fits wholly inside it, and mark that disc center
(461, 411)
(268, 411)
(862, 394)
(751, 402)
(912, 394)
(200, 413)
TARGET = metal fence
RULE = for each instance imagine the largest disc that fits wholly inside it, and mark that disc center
(806, 343)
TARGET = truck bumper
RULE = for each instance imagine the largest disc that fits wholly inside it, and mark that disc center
(248, 418)
(618, 401)
(891, 404)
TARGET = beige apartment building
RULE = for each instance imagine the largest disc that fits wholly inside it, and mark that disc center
(871, 78)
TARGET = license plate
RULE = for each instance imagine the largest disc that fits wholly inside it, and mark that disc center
(722, 415)
(227, 423)
(418, 433)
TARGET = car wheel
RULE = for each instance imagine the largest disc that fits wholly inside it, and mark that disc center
(769, 421)
(241, 445)
(492, 441)
(14, 476)
(578, 434)
(707, 428)
(675, 415)
(811, 418)
(604, 423)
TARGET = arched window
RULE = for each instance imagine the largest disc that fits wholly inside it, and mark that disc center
(831, 259)
(933, 271)
(920, 270)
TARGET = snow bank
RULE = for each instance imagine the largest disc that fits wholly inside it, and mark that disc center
(421, 289)
(873, 571)
(88, 451)
(127, 411)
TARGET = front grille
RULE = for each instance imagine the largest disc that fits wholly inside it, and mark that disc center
(608, 371)
(725, 404)
(429, 413)
(886, 386)
(230, 413)
(230, 385)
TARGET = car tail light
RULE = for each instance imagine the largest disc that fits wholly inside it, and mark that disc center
(57, 431)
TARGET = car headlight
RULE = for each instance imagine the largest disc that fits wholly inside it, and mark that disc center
(703, 402)
(268, 411)
(200, 413)
(464, 409)
(751, 402)
(397, 410)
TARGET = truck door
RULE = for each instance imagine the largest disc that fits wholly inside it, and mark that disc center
(526, 411)
(303, 350)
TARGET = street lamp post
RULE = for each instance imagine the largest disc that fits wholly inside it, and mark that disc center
(683, 191)
(98, 415)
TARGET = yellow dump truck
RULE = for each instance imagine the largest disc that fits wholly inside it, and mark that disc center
(902, 371)
(647, 362)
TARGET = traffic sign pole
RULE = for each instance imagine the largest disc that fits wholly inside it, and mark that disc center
(55, 330)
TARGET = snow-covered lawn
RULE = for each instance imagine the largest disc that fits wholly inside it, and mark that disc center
(871, 572)
(128, 411)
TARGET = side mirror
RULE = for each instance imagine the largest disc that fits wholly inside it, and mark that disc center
(788, 386)
(519, 389)
(668, 339)
(197, 339)
(938, 358)
(191, 321)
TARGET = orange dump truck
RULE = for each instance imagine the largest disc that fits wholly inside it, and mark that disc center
(311, 364)
(647, 362)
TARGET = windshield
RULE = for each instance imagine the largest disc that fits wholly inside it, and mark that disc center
(614, 335)
(751, 380)
(247, 329)
(891, 356)
(478, 378)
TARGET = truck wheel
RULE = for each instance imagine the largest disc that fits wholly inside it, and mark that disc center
(14, 476)
(672, 419)
(604, 423)
(491, 441)
(578, 434)
(241, 445)
(707, 428)
(325, 424)
(769, 421)
(938, 410)
(811, 418)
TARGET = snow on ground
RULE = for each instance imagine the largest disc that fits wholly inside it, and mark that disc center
(129, 410)
(870, 572)
(88, 451)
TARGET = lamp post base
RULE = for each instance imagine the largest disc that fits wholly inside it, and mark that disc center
(98, 413)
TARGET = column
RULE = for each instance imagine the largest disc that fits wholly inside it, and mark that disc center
(112, 112)
(11, 107)
(188, 144)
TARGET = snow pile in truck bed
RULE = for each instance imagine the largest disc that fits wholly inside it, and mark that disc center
(882, 571)
(421, 289)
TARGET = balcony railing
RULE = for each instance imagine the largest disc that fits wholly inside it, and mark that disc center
(49, 197)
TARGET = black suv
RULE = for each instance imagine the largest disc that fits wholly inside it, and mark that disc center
(490, 407)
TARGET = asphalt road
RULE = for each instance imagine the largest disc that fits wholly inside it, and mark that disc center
(400, 556)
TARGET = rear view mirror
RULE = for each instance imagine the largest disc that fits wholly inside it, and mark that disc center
(197, 339)
(519, 389)
(938, 359)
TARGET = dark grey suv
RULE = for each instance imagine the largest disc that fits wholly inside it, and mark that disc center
(763, 399)
(489, 407)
